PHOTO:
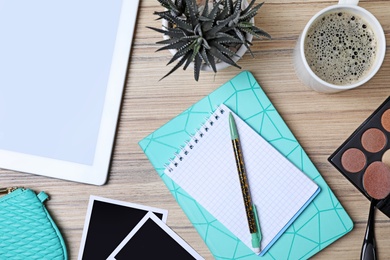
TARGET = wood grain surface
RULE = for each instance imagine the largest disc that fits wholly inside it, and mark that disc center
(320, 122)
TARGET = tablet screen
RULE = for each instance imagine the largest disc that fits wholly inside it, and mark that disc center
(55, 63)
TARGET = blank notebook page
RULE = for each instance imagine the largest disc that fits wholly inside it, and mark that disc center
(206, 169)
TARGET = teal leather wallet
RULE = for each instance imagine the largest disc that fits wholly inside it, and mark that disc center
(26, 229)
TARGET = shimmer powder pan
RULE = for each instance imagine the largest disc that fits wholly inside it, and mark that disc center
(364, 158)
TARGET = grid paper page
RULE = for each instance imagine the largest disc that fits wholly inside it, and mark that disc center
(206, 170)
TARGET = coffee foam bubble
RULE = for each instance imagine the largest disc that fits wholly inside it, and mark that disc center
(340, 48)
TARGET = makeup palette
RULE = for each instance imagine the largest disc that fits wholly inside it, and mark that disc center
(364, 158)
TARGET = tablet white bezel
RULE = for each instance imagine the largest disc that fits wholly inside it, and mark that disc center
(97, 172)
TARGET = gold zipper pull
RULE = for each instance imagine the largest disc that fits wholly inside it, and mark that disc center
(8, 190)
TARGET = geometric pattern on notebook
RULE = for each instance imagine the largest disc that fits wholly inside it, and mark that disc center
(321, 223)
(207, 171)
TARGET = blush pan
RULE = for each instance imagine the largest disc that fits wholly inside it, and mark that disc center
(376, 180)
(353, 160)
(385, 120)
(364, 158)
(373, 140)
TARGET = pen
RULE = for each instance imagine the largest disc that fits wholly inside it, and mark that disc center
(250, 208)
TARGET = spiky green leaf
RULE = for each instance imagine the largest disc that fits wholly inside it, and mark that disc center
(223, 14)
(188, 61)
(192, 11)
(261, 32)
(223, 49)
(229, 40)
(168, 41)
(251, 13)
(214, 12)
(237, 7)
(222, 57)
(211, 61)
(205, 10)
(196, 48)
(244, 41)
(203, 53)
(174, 46)
(248, 8)
(171, 33)
(229, 5)
(197, 64)
(178, 65)
(175, 20)
(189, 38)
(213, 31)
(164, 3)
(244, 24)
(172, 7)
(181, 52)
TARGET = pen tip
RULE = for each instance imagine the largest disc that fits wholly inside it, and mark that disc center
(257, 250)
(233, 127)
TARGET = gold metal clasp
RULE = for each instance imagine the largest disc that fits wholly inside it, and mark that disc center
(8, 190)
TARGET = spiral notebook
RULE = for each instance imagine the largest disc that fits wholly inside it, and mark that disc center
(206, 169)
(320, 224)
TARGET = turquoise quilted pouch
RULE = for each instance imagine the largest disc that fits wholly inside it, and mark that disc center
(26, 229)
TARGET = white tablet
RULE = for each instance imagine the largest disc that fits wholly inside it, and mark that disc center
(62, 72)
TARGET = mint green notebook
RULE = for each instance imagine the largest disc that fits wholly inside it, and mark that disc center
(321, 223)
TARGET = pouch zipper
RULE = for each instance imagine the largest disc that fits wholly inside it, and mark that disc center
(4, 191)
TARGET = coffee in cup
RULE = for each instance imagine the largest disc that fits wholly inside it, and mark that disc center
(341, 47)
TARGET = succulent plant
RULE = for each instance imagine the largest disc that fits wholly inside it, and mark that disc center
(206, 33)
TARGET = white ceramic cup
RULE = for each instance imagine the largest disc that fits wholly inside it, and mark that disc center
(302, 68)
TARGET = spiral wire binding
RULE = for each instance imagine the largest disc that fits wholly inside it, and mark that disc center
(194, 139)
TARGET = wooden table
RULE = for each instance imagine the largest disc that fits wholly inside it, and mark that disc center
(320, 122)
